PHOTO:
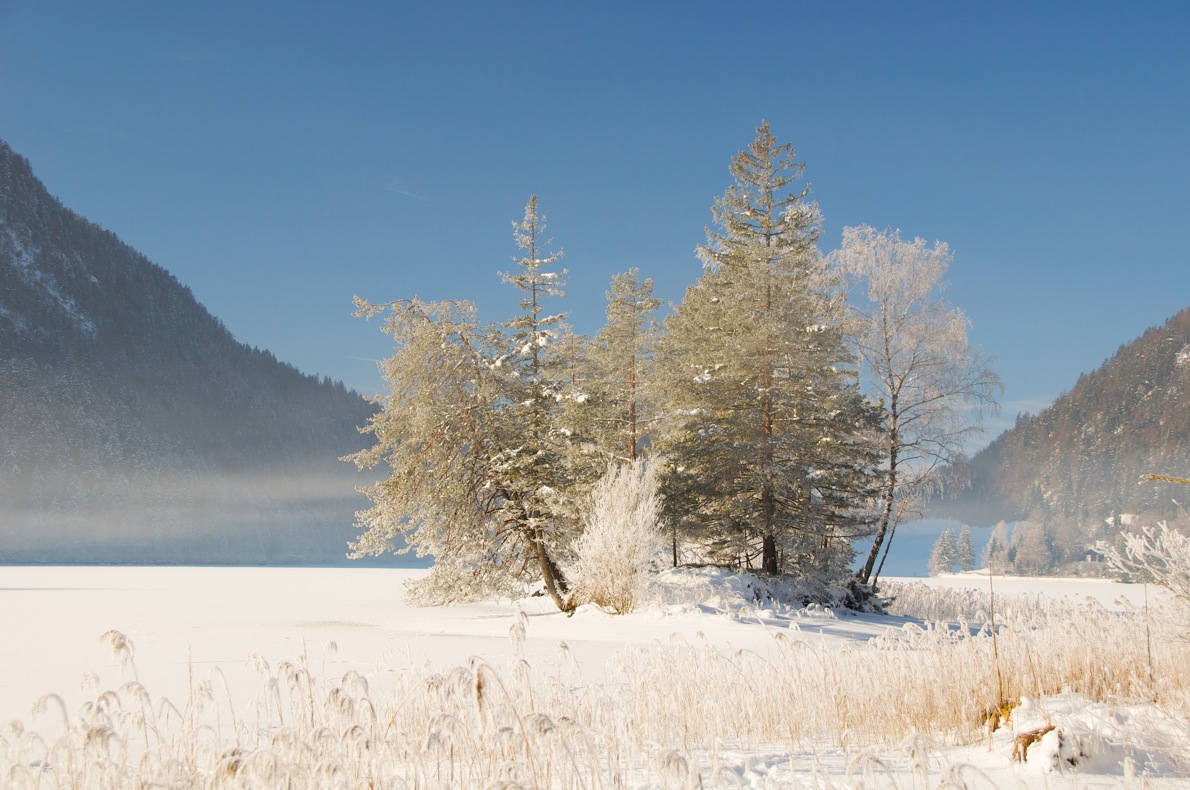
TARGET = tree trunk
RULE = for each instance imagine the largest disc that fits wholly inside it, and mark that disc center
(876, 576)
(890, 491)
(865, 573)
(632, 401)
(768, 557)
(551, 574)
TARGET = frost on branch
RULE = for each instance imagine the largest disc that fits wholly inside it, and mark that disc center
(475, 440)
(1159, 555)
(621, 538)
(916, 364)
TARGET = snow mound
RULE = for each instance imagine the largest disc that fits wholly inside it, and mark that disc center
(743, 597)
(1069, 734)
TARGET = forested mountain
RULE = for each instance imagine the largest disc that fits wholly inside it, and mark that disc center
(1079, 462)
(134, 427)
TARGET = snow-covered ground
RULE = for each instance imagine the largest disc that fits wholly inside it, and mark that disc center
(1108, 593)
(185, 622)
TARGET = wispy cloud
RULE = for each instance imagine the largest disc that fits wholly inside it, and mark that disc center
(397, 186)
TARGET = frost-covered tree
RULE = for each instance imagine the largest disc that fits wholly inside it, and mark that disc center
(470, 431)
(1160, 555)
(621, 537)
(537, 379)
(944, 553)
(916, 363)
(438, 430)
(997, 556)
(965, 550)
(1033, 552)
(619, 360)
(767, 434)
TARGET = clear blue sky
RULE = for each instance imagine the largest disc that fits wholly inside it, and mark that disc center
(279, 157)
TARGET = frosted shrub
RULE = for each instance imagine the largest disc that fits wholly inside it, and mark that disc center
(1160, 556)
(622, 535)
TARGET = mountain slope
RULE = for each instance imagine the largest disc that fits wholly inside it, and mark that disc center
(1080, 460)
(135, 428)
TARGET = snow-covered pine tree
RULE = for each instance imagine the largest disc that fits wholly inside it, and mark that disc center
(619, 360)
(470, 429)
(996, 554)
(965, 550)
(916, 364)
(942, 557)
(767, 435)
(534, 472)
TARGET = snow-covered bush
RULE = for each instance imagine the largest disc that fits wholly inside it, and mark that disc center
(1159, 555)
(621, 537)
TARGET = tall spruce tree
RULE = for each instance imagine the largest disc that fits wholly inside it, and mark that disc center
(965, 550)
(534, 468)
(768, 439)
(945, 552)
(619, 360)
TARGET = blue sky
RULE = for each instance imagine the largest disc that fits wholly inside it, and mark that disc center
(280, 157)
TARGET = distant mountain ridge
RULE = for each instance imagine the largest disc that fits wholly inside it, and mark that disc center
(1079, 462)
(135, 427)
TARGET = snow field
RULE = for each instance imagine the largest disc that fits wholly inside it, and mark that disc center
(710, 683)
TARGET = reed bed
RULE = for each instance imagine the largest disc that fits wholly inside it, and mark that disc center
(662, 716)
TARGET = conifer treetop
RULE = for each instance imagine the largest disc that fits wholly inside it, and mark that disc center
(762, 207)
(532, 277)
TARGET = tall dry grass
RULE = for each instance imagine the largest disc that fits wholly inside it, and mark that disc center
(660, 718)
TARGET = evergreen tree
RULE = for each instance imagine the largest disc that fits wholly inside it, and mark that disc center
(945, 552)
(996, 554)
(620, 356)
(965, 555)
(767, 434)
(471, 431)
(536, 378)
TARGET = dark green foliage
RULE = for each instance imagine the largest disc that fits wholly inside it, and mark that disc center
(767, 438)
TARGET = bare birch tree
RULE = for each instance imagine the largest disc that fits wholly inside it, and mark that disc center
(932, 386)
